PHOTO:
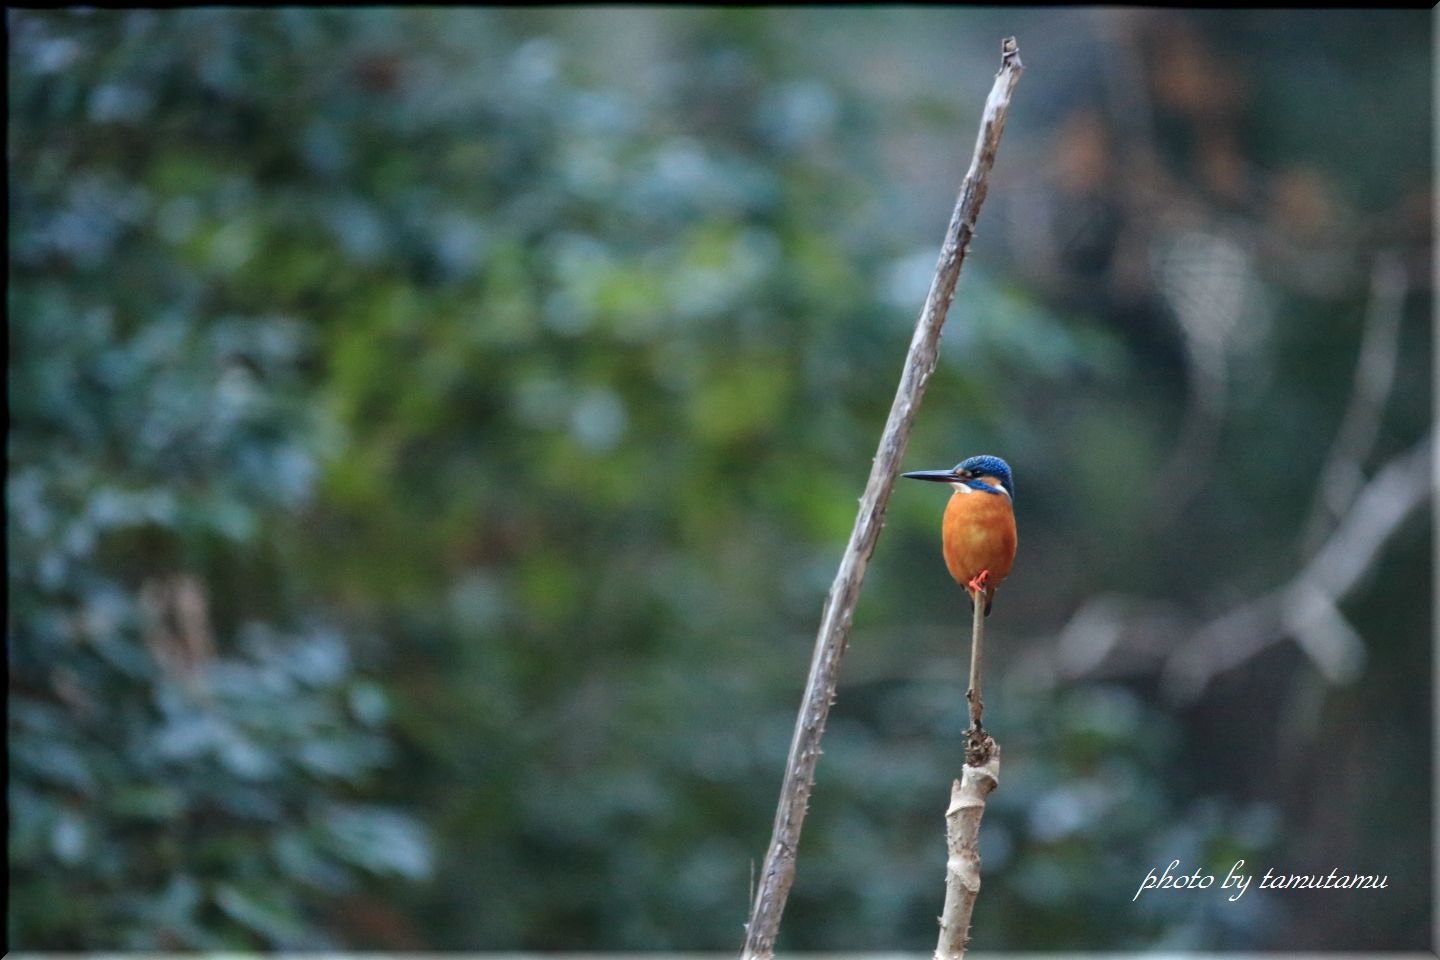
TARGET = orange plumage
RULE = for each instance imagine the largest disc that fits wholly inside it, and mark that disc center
(978, 532)
(978, 535)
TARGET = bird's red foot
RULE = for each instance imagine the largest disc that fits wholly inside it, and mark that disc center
(977, 582)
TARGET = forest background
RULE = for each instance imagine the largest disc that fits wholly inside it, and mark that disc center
(433, 432)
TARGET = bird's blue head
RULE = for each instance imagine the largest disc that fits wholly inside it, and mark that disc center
(978, 473)
(986, 465)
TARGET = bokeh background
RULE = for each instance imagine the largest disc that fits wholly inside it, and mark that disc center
(433, 432)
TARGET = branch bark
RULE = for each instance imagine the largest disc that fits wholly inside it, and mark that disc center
(779, 870)
(962, 868)
(978, 744)
(980, 776)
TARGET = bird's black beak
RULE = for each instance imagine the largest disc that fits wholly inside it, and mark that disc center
(939, 476)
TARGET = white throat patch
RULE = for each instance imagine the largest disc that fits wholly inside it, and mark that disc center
(966, 488)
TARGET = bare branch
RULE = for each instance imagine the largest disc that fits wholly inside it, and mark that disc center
(978, 745)
(1374, 375)
(779, 869)
(1307, 607)
(1116, 635)
(978, 778)
(962, 867)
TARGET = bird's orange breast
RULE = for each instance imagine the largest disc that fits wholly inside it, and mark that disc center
(978, 533)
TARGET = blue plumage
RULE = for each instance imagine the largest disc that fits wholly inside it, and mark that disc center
(977, 535)
(987, 465)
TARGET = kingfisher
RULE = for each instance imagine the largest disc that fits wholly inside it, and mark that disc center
(978, 532)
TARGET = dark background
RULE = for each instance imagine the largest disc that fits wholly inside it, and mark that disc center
(433, 433)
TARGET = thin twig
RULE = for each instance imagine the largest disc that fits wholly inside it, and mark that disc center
(962, 866)
(779, 869)
(977, 744)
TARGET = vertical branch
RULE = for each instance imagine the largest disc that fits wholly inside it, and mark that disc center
(977, 742)
(779, 870)
(980, 776)
(1342, 476)
(962, 867)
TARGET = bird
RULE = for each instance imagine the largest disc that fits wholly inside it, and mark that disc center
(978, 532)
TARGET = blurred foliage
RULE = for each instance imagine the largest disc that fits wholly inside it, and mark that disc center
(190, 747)
(183, 774)
(433, 433)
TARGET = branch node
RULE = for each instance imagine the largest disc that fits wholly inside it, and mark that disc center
(979, 747)
(1010, 54)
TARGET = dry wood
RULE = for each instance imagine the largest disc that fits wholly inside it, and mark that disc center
(977, 744)
(962, 867)
(779, 870)
(980, 775)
